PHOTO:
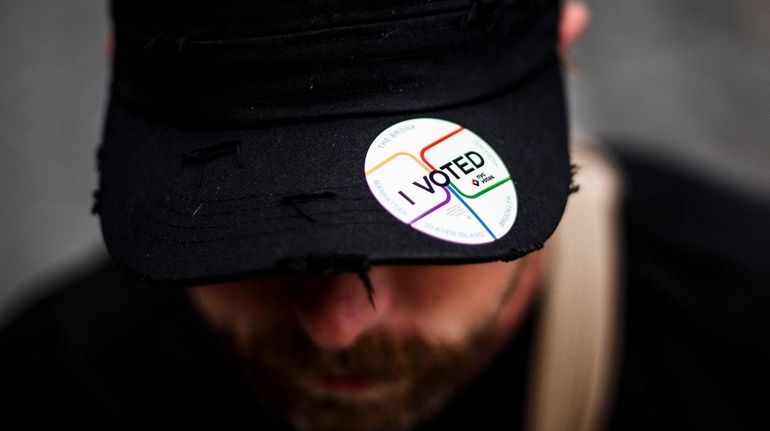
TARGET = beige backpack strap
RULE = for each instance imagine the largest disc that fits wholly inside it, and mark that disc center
(576, 346)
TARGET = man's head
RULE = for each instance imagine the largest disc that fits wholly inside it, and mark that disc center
(316, 349)
(313, 346)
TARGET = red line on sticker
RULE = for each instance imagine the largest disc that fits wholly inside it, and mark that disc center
(434, 143)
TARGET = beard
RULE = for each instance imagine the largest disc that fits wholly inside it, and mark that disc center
(408, 378)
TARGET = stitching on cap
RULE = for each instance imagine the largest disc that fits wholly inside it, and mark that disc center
(342, 39)
(167, 240)
(191, 198)
(174, 210)
(260, 219)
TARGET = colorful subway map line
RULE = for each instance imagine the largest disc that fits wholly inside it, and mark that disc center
(457, 189)
(451, 187)
(393, 156)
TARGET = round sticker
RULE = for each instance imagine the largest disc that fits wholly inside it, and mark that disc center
(443, 180)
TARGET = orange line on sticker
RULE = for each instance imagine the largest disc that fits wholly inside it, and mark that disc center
(393, 156)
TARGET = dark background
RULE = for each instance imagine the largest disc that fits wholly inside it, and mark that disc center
(685, 80)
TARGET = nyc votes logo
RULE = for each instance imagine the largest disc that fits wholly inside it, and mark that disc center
(441, 177)
(443, 180)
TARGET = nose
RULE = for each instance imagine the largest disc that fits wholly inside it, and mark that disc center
(335, 310)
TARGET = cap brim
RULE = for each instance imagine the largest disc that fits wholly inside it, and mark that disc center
(297, 190)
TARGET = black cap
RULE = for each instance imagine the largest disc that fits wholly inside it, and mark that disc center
(258, 137)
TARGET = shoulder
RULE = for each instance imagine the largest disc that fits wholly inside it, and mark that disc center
(44, 350)
(696, 302)
(687, 210)
(101, 350)
(79, 313)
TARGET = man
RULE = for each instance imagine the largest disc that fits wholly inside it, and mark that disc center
(336, 211)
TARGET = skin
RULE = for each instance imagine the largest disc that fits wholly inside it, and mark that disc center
(467, 312)
(319, 353)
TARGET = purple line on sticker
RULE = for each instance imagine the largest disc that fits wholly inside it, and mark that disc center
(448, 197)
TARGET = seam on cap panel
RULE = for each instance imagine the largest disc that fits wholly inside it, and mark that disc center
(291, 48)
(318, 32)
(171, 208)
(314, 226)
(267, 50)
(460, 4)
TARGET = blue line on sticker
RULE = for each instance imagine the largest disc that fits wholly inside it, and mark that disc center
(451, 189)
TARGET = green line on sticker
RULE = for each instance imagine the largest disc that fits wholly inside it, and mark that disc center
(483, 191)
